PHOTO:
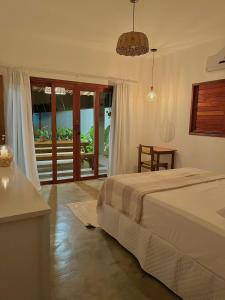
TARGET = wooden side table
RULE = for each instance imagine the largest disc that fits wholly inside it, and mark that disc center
(158, 151)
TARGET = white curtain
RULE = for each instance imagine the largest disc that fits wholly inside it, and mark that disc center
(19, 127)
(122, 130)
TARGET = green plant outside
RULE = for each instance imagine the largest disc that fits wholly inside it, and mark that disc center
(66, 134)
(42, 134)
(106, 140)
(89, 138)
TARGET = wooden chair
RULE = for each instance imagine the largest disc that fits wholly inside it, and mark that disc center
(150, 164)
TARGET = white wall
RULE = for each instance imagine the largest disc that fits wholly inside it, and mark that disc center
(167, 120)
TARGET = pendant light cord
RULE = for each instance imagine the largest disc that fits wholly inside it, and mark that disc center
(133, 14)
(153, 64)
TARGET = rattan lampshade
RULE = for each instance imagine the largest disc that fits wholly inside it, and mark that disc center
(132, 44)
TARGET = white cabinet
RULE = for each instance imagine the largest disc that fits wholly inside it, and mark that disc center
(24, 239)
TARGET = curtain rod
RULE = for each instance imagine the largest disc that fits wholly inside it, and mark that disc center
(63, 72)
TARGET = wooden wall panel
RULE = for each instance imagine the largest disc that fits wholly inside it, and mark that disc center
(208, 109)
(2, 123)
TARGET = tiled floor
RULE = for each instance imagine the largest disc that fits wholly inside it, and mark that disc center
(89, 264)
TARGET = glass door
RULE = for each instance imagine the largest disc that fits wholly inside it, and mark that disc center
(87, 133)
(71, 124)
(64, 132)
(95, 119)
(105, 108)
(42, 126)
(53, 123)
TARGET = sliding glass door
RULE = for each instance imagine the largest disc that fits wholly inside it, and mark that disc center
(42, 125)
(105, 106)
(71, 129)
(88, 133)
(64, 132)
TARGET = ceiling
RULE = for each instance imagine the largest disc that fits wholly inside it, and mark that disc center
(169, 24)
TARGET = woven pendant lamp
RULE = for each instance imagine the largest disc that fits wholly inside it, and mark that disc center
(133, 43)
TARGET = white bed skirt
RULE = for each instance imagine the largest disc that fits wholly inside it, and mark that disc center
(178, 271)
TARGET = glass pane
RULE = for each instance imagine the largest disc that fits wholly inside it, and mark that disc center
(64, 125)
(87, 100)
(104, 131)
(42, 124)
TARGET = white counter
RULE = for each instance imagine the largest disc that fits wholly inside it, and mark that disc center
(18, 198)
(25, 239)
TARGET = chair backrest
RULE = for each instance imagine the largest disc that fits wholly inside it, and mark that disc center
(147, 150)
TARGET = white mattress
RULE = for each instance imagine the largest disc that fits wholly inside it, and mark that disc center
(188, 219)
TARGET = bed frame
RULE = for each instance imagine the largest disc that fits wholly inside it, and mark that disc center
(182, 274)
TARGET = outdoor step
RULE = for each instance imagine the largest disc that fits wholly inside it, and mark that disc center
(68, 174)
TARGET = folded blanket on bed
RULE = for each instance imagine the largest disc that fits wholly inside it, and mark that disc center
(126, 192)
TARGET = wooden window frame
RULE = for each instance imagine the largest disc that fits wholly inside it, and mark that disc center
(193, 114)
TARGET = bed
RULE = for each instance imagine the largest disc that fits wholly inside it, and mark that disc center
(174, 223)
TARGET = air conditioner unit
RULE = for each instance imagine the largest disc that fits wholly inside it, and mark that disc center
(216, 62)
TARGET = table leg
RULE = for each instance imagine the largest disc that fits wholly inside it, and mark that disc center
(157, 162)
(172, 160)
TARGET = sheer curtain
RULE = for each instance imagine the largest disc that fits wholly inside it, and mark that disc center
(19, 127)
(121, 141)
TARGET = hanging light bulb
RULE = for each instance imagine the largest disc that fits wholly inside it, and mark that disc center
(151, 97)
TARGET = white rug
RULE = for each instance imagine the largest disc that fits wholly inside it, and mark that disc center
(85, 211)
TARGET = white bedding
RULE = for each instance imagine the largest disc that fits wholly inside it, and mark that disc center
(188, 219)
(180, 239)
